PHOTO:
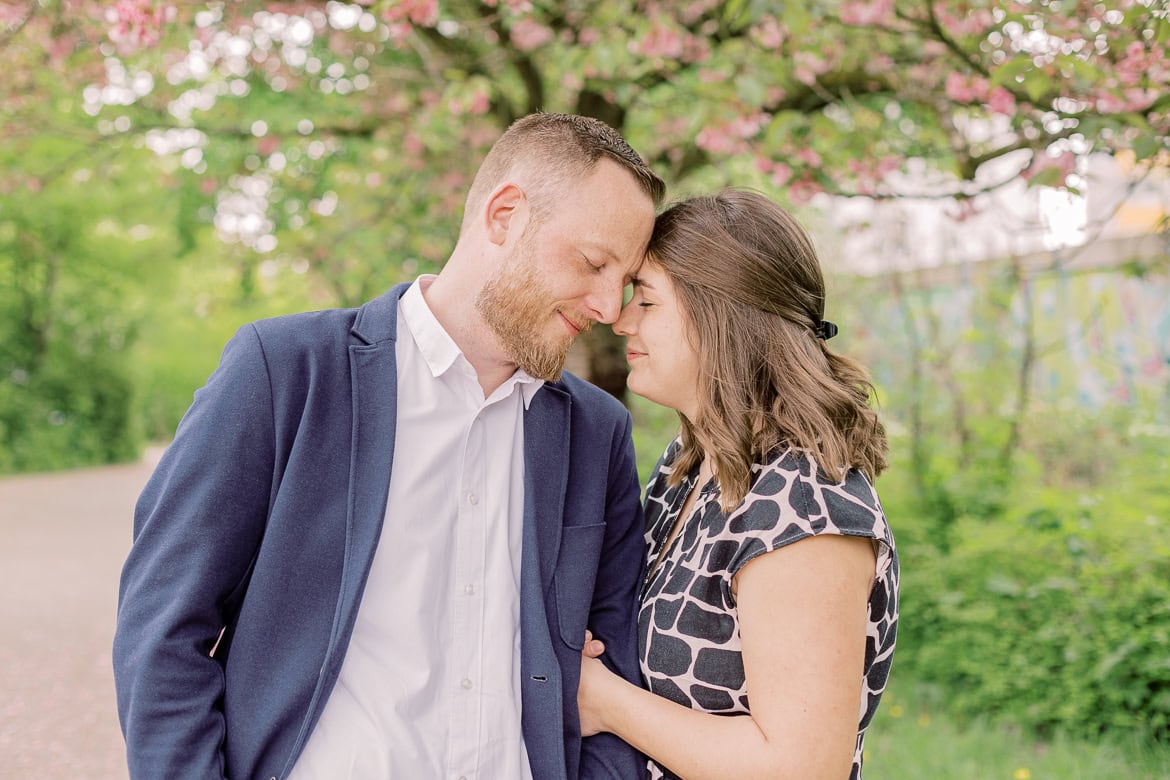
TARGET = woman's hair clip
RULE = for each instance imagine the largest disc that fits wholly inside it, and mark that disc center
(825, 330)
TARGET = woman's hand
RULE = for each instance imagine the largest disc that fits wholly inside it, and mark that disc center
(595, 680)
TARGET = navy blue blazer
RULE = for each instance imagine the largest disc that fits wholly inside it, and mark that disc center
(261, 521)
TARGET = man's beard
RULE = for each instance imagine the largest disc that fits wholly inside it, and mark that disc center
(517, 308)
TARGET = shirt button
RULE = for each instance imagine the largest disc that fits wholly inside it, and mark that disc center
(469, 590)
(472, 499)
(466, 683)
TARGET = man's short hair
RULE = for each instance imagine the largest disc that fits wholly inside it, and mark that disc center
(548, 152)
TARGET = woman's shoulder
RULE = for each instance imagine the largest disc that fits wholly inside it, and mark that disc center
(792, 496)
(791, 499)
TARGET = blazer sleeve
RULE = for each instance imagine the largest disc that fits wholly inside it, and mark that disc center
(197, 526)
(614, 614)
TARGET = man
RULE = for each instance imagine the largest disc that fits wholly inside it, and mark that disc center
(379, 536)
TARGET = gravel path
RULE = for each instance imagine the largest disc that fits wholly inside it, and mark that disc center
(63, 538)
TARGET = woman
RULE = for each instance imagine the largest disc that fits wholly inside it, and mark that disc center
(772, 583)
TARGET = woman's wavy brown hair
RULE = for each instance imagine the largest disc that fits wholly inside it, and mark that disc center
(750, 283)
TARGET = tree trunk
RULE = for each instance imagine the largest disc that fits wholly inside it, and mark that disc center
(600, 356)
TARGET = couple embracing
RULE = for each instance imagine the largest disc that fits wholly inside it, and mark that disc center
(399, 542)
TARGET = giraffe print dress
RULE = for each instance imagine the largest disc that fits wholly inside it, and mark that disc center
(688, 626)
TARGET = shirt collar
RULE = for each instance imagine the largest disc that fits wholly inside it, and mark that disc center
(440, 351)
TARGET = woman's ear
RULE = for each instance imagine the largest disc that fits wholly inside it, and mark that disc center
(506, 210)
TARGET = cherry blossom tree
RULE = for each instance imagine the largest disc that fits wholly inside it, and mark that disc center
(336, 140)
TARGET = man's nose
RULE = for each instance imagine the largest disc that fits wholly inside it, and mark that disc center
(606, 303)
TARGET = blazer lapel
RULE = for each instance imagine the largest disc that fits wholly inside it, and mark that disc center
(546, 465)
(546, 471)
(374, 383)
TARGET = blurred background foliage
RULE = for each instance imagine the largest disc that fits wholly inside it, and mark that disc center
(170, 171)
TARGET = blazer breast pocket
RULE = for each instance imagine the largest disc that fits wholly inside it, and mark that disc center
(575, 576)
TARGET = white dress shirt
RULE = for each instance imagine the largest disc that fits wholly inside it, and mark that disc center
(430, 684)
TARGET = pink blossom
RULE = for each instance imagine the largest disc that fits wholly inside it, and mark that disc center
(1139, 99)
(867, 13)
(396, 103)
(888, 165)
(769, 33)
(808, 67)
(808, 156)
(934, 49)
(454, 180)
(781, 174)
(695, 49)
(1109, 103)
(710, 76)
(1139, 64)
(749, 125)
(1132, 99)
(528, 34)
(661, 41)
(267, 145)
(588, 36)
(11, 15)
(692, 12)
(975, 21)
(1000, 101)
(803, 190)
(137, 23)
(966, 89)
(921, 73)
(413, 145)
(480, 103)
(718, 140)
(956, 88)
(399, 32)
(423, 12)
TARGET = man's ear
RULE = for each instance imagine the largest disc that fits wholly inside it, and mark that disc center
(505, 210)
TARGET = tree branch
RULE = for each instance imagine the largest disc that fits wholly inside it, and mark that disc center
(525, 67)
(944, 38)
(15, 30)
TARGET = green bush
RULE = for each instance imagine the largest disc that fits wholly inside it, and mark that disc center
(74, 412)
(1055, 614)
